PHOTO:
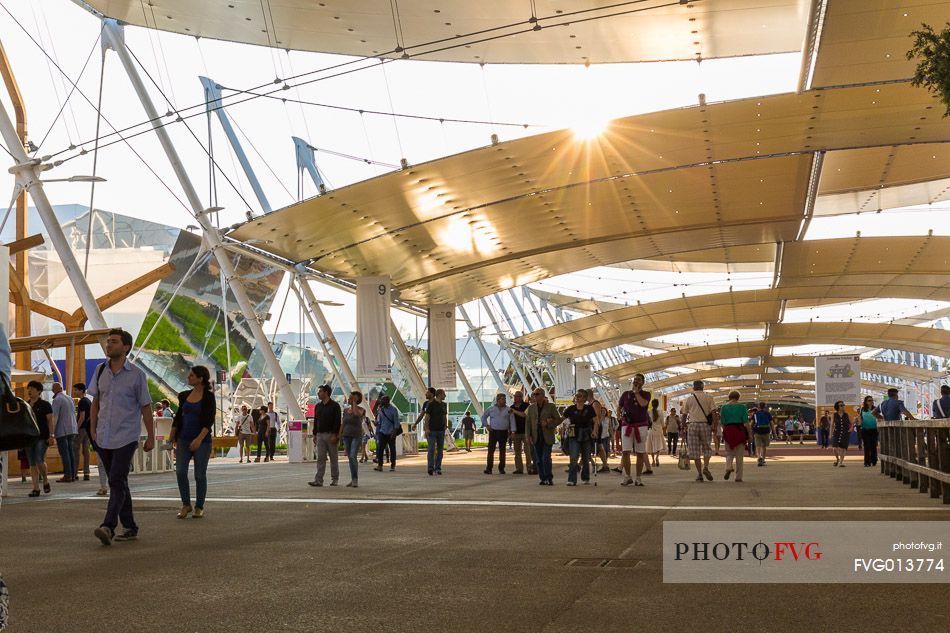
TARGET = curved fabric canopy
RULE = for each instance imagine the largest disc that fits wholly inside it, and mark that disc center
(813, 271)
(769, 363)
(874, 335)
(729, 259)
(728, 174)
(748, 387)
(898, 264)
(870, 179)
(577, 304)
(489, 31)
(865, 40)
(868, 365)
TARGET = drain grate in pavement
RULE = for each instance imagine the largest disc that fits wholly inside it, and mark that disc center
(628, 563)
(594, 563)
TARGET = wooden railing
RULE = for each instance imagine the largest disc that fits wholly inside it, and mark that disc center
(917, 453)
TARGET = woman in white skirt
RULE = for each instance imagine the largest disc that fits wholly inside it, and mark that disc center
(656, 441)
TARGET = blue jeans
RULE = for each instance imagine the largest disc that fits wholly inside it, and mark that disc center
(382, 442)
(183, 455)
(436, 441)
(65, 445)
(352, 445)
(36, 452)
(542, 460)
(579, 446)
(118, 463)
(870, 446)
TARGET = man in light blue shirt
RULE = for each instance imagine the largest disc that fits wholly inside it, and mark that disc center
(121, 403)
(893, 407)
(500, 422)
(64, 413)
(387, 424)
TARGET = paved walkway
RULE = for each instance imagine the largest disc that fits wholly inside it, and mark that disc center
(461, 552)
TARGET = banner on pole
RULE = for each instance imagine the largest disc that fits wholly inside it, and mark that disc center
(582, 375)
(442, 346)
(837, 378)
(372, 328)
(563, 376)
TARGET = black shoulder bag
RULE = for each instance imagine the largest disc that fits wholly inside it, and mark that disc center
(709, 416)
(18, 428)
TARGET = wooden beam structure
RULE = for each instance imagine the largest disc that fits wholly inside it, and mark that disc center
(128, 289)
(60, 339)
(25, 244)
(76, 356)
(21, 318)
(75, 322)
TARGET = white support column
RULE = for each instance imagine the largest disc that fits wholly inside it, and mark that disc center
(504, 312)
(527, 361)
(468, 389)
(213, 103)
(314, 310)
(515, 362)
(520, 305)
(27, 173)
(475, 335)
(344, 383)
(534, 308)
(404, 358)
(113, 38)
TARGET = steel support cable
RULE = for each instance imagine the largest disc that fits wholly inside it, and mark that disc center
(368, 161)
(457, 44)
(538, 27)
(6, 216)
(180, 118)
(188, 127)
(151, 34)
(161, 50)
(204, 104)
(259, 155)
(95, 165)
(52, 78)
(398, 115)
(72, 91)
(89, 101)
(290, 281)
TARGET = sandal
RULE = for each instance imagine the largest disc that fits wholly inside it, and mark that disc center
(34, 493)
(46, 488)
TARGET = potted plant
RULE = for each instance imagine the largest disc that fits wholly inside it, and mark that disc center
(932, 51)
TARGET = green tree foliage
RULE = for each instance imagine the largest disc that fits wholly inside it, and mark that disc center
(932, 52)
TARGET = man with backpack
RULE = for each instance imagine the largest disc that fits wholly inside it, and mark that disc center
(762, 430)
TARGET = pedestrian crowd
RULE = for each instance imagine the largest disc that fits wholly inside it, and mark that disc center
(108, 416)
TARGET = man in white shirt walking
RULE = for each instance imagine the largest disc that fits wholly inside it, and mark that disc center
(500, 422)
(699, 411)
